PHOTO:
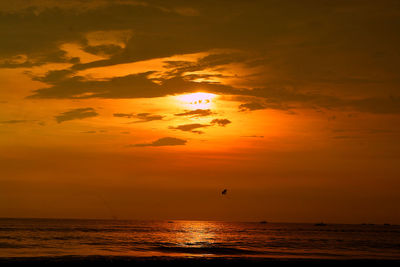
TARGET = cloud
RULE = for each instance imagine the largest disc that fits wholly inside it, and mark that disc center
(190, 127)
(103, 50)
(285, 52)
(130, 86)
(76, 114)
(143, 117)
(140, 86)
(377, 105)
(54, 76)
(166, 141)
(282, 98)
(331, 118)
(253, 136)
(13, 121)
(193, 126)
(41, 123)
(344, 137)
(251, 106)
(38, 30)
(196, 113)
(123, 115)
(210, 61)
(221, 122)
(264, 101)
(146, 117)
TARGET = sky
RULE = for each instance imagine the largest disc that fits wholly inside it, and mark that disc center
(149, 109)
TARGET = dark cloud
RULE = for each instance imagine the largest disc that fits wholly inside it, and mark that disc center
(103, 50)
(193, 126)
(39, 34)
(143, 117)
(382, 131)
(190, 127)
(265, 98)
(140, 86)
(89, 132)
(76, 114)
(377, 105)
(220, 122)
(54, 76)
(162, 31)
(345, 137)
(123, 115)
(253, 136)
(251, 106)
(196, 113)
(131, 86)
(282, 98)
(41, 123)
(166, 141)
(207, 62)
(121, 87)
(13, 121)
(331, 118)
(279, 98)
(56, 56)
(324, 52)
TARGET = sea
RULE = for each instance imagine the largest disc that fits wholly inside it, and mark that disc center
(178, 238)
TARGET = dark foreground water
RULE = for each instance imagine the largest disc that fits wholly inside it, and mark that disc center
(60, 238)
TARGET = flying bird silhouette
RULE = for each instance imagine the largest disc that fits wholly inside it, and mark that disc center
(224, 191)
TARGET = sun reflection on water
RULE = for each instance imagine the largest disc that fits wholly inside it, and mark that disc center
(194, 233)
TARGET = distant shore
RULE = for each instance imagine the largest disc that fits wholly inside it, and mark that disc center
(190, 261)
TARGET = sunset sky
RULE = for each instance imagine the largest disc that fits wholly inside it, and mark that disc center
(149, 109)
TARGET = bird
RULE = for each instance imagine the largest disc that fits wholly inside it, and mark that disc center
(224, 191)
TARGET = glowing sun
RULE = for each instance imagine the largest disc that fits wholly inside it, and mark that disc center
(197, 100)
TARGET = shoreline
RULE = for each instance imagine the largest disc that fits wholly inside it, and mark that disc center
(173, 261)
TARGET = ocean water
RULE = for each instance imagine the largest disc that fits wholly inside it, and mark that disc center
(52, 237)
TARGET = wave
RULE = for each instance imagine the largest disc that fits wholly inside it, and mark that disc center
(4, 245)
(206, 250)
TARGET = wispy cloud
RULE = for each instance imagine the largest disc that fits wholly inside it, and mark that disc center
(251, 106)
(190, 127)
(123, 115)
(142, 117)
(76, 114)
(145, 117)
(258, 105)
(165, 141)
(196, 113)
(13, 121)
(221, 122)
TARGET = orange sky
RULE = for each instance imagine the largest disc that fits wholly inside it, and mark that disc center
(148, 109)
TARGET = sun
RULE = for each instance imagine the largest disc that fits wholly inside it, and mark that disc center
(196, 100)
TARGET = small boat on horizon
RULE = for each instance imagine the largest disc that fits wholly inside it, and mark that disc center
(320, 224)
